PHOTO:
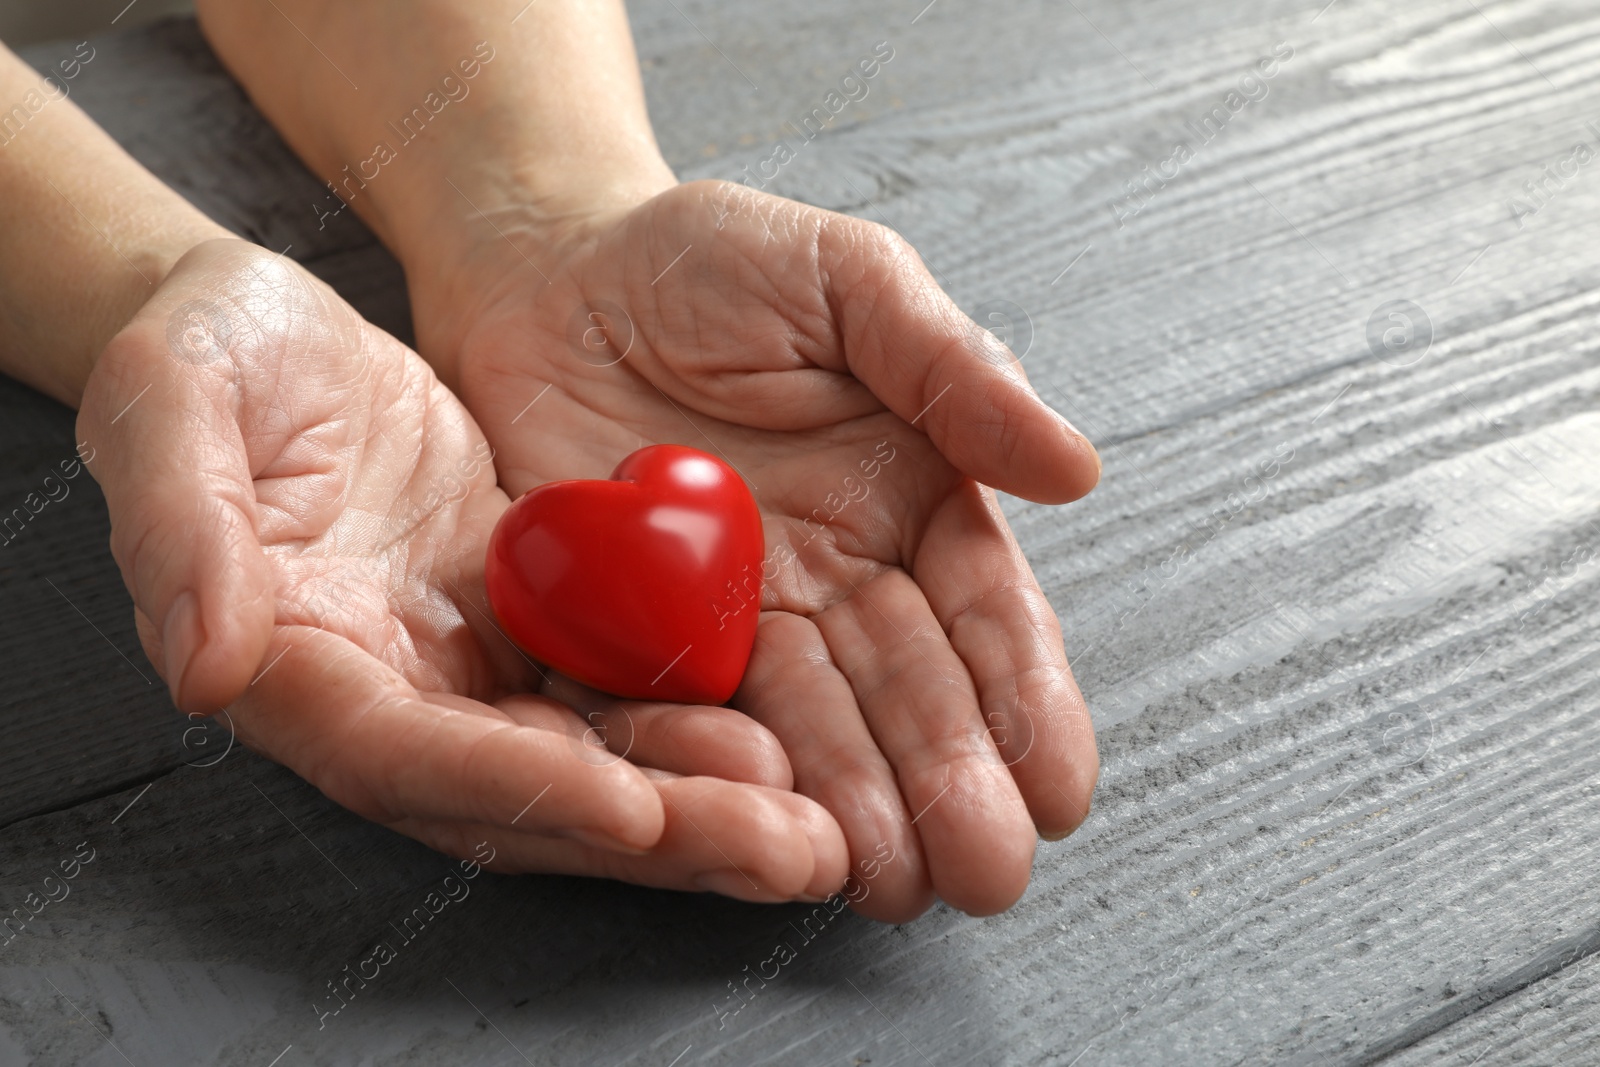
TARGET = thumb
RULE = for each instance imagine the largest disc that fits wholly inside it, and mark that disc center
(909, 343)
(160, 436)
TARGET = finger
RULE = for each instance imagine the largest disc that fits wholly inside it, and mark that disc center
(744, 841)
(524, 709)
(687, 739)
(177, 482)
(984, 594)
(922, 710)
(586, 738)
(527, 709)
(356, 730)
(793, 688)
(937, 369)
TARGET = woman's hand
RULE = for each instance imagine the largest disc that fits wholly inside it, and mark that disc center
(906, 657)
(301, 511)
(582, 304)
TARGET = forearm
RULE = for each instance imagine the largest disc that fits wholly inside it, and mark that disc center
(425, 116)
(86, 233)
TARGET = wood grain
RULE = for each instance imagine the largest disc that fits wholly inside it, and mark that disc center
(1346, 709)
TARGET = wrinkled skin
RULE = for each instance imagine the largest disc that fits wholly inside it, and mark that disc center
(306, 508)
(906, 658)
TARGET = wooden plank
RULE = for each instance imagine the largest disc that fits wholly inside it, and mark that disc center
(1376, 167)
(1551, 1021)
(1345, 707)
(85, 712)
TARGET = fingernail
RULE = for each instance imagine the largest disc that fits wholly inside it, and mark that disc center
(731, 883)
(1062, 836)
(181, 637)
(601, 839)
(809, 899)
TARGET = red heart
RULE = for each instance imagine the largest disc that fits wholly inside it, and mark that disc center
(646, 586)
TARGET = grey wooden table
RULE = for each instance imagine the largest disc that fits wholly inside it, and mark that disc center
(1333, 330)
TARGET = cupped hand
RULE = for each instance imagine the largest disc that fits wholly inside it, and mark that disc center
(300, 510)
(906, 657)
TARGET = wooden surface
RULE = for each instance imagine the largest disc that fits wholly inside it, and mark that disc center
(1333, 612)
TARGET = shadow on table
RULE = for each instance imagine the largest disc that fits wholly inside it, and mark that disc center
(348, 935)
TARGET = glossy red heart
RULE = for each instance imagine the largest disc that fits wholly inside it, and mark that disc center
(646, 586)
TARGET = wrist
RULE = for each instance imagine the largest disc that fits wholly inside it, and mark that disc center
(485, 230)
(90, 234)
(454, 123)
(117, 286)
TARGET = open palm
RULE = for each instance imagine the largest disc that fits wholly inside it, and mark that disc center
(301, 511)
(906, 658)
